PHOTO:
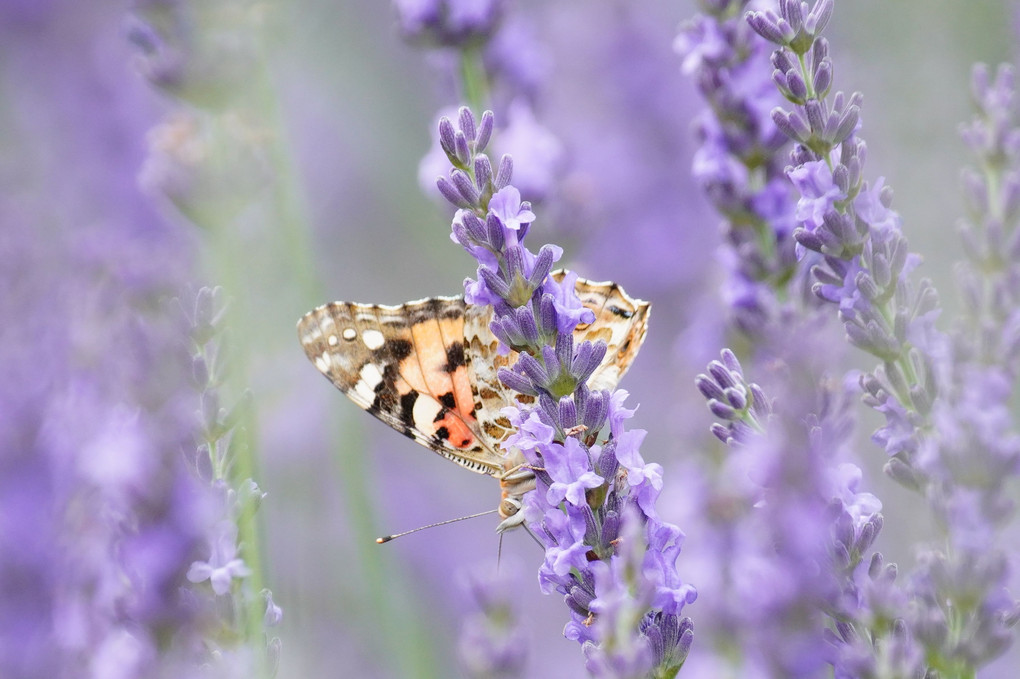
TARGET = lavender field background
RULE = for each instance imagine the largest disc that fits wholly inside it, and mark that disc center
(273, 149)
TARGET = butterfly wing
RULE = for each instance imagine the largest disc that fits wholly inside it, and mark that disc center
(620, 321)
(429, 368)
(406, 366)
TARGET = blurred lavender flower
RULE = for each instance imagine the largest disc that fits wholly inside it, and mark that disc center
(448, 22)
(593, 507)
(939, 408)
(740, 165)
(493, 643)
(794, 517)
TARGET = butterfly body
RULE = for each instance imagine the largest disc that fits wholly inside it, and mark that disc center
(429, 368)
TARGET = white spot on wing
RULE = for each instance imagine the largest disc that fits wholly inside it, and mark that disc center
(323, 362)
(332, 341)
(349, 334)
(373, 339)
(425, 411)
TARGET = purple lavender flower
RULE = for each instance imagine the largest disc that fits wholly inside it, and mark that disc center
(448, 22)
(932, 399)
(799, 522)
(493, 643)
(739, 165)
(589, 488)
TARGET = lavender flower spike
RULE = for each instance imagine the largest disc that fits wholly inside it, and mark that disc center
(607, 551)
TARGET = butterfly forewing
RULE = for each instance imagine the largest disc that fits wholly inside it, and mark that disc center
(391, 361)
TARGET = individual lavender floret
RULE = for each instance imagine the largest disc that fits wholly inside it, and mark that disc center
(739, 164)
(607, 551)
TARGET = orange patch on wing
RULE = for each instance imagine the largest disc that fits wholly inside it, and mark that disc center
(459, 435)
(428, 344)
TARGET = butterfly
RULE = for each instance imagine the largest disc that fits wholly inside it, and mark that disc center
(428, 369)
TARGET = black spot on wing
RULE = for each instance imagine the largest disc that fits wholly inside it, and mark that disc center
(454, 357)
(448, 400)
(407, 407)
(624, 313)
(397, 349)
(442, 433)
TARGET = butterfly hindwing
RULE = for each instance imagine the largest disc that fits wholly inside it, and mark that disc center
(620, 322)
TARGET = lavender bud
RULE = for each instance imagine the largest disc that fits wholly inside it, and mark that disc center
(796, 87)
(737, 397)
(517, 382)
(483, 172)
(588, 357)
(766, 27)
(495, 234)
(547, 313)
(467, 123)
(450, 193)
(543, 265)
(722, 410)
(596, 410)
(611, 521)
(720, 432)
(500, 287)
(708, 388)
(567, 413)
(475, 227)
(446, 139)
(504, 173)
(902, 473)
(526, 322)
(819, 17)
(484, 131)
(533, 369)
(465, 187)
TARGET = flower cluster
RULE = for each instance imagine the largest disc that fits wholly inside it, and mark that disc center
(947, 427)
(866, 261)
(607, 551)
(739, 164)
(790, 453)
(232, 601)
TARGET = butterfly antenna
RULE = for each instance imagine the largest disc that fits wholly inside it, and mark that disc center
(387, 538)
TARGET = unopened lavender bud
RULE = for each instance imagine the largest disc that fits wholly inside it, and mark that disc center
(823, 79)
(516, 381)
(494, 232)
(737, 397)
(766, 27)
(484, 132)
(543, 265)
(447, 138)
(722, 410)
(460, 147)
(483, 172)
(465, 187)
(450, 193)
(709, 388)
(495, 283)
(466, 120)
(796, 87)
(504, 173)
(720, 432)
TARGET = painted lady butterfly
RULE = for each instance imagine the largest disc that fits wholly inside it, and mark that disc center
(428, 369)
